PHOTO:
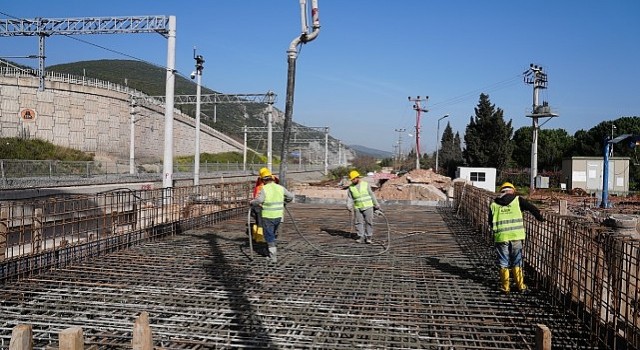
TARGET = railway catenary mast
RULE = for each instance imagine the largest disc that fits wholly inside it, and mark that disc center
(164, 25)
(292, 54)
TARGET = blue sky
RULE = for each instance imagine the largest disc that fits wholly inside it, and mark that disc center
(370, 56)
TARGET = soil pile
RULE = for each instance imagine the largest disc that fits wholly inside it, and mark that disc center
(419, 184)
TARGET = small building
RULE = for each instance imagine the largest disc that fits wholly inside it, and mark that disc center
(479, 177)
(586, 173)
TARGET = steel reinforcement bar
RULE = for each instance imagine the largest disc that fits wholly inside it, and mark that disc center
(52, 232)
(590, 270)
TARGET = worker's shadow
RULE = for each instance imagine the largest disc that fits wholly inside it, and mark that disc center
(339, 233)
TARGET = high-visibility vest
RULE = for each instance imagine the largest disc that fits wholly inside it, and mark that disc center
(273, 205)
(508, 224)
(360, 194)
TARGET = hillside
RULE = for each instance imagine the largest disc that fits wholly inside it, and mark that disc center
(230, 118)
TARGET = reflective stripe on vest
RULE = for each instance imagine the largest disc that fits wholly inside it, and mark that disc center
(273, 206)
(508, 224)
(360, 194)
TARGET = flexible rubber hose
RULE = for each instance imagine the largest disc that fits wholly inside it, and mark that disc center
(386, 249)
(250, 233)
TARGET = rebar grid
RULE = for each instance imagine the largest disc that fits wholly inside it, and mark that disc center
(590, 270)
(41, 233)
(436, 288)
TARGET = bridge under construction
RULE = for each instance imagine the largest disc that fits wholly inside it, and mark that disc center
(428, 281)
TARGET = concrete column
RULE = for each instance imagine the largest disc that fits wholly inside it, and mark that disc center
(21, 337)
(142, 336)
(71, 339)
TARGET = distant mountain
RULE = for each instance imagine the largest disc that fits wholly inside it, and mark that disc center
(366, 151)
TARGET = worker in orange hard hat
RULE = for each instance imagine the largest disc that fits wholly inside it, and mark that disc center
(362, 201)
(271, 198)
(507, 222)
(256, 211)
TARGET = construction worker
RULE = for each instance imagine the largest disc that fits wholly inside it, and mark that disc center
(256, 211)
(506, 221)
(271, 198)
(360, 198)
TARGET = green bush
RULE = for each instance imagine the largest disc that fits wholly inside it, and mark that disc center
(28, 149)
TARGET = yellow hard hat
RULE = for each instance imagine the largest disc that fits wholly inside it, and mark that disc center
(353, 174)
(264, 172)
(507, 185)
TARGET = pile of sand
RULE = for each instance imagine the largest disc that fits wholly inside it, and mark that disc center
(420, 184)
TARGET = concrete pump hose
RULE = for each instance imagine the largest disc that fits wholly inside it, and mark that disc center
(377, 213)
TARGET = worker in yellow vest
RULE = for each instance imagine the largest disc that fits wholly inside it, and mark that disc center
(362, 201)
(507, 223)
(272, 198)
(256, 211)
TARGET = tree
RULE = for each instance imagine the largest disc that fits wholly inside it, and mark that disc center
(450, 154)
(365, 164)
(553, 146)
(488, 137)
(591, 143)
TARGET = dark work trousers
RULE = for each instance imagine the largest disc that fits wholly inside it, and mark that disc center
(256, 213)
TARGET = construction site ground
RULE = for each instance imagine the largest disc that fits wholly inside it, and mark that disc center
(427, 282)
(426, 185)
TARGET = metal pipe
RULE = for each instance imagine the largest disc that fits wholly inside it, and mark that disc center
(292, 54)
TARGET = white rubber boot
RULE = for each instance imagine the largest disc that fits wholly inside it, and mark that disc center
(273, 254)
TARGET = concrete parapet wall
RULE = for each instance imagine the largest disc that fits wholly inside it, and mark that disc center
(97, 120)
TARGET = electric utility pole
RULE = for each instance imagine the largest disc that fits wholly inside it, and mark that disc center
(536, 76)
(400, 132)
(416, 106)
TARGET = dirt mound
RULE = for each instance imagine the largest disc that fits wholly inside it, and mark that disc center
(418, 184)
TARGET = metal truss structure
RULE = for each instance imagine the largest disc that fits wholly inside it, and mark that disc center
(44, 27)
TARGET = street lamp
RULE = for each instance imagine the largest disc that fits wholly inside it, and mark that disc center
(438, 139)
(197, 74)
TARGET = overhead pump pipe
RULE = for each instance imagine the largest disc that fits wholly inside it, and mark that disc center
(292, 55)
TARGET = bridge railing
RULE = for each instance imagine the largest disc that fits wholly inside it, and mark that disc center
(18, 168)
(17, 72)
(591, 270)
(38, 234)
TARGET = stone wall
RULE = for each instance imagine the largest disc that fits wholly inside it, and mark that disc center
(97, 120)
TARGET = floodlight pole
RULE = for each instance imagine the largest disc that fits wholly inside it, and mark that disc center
(196, 158)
